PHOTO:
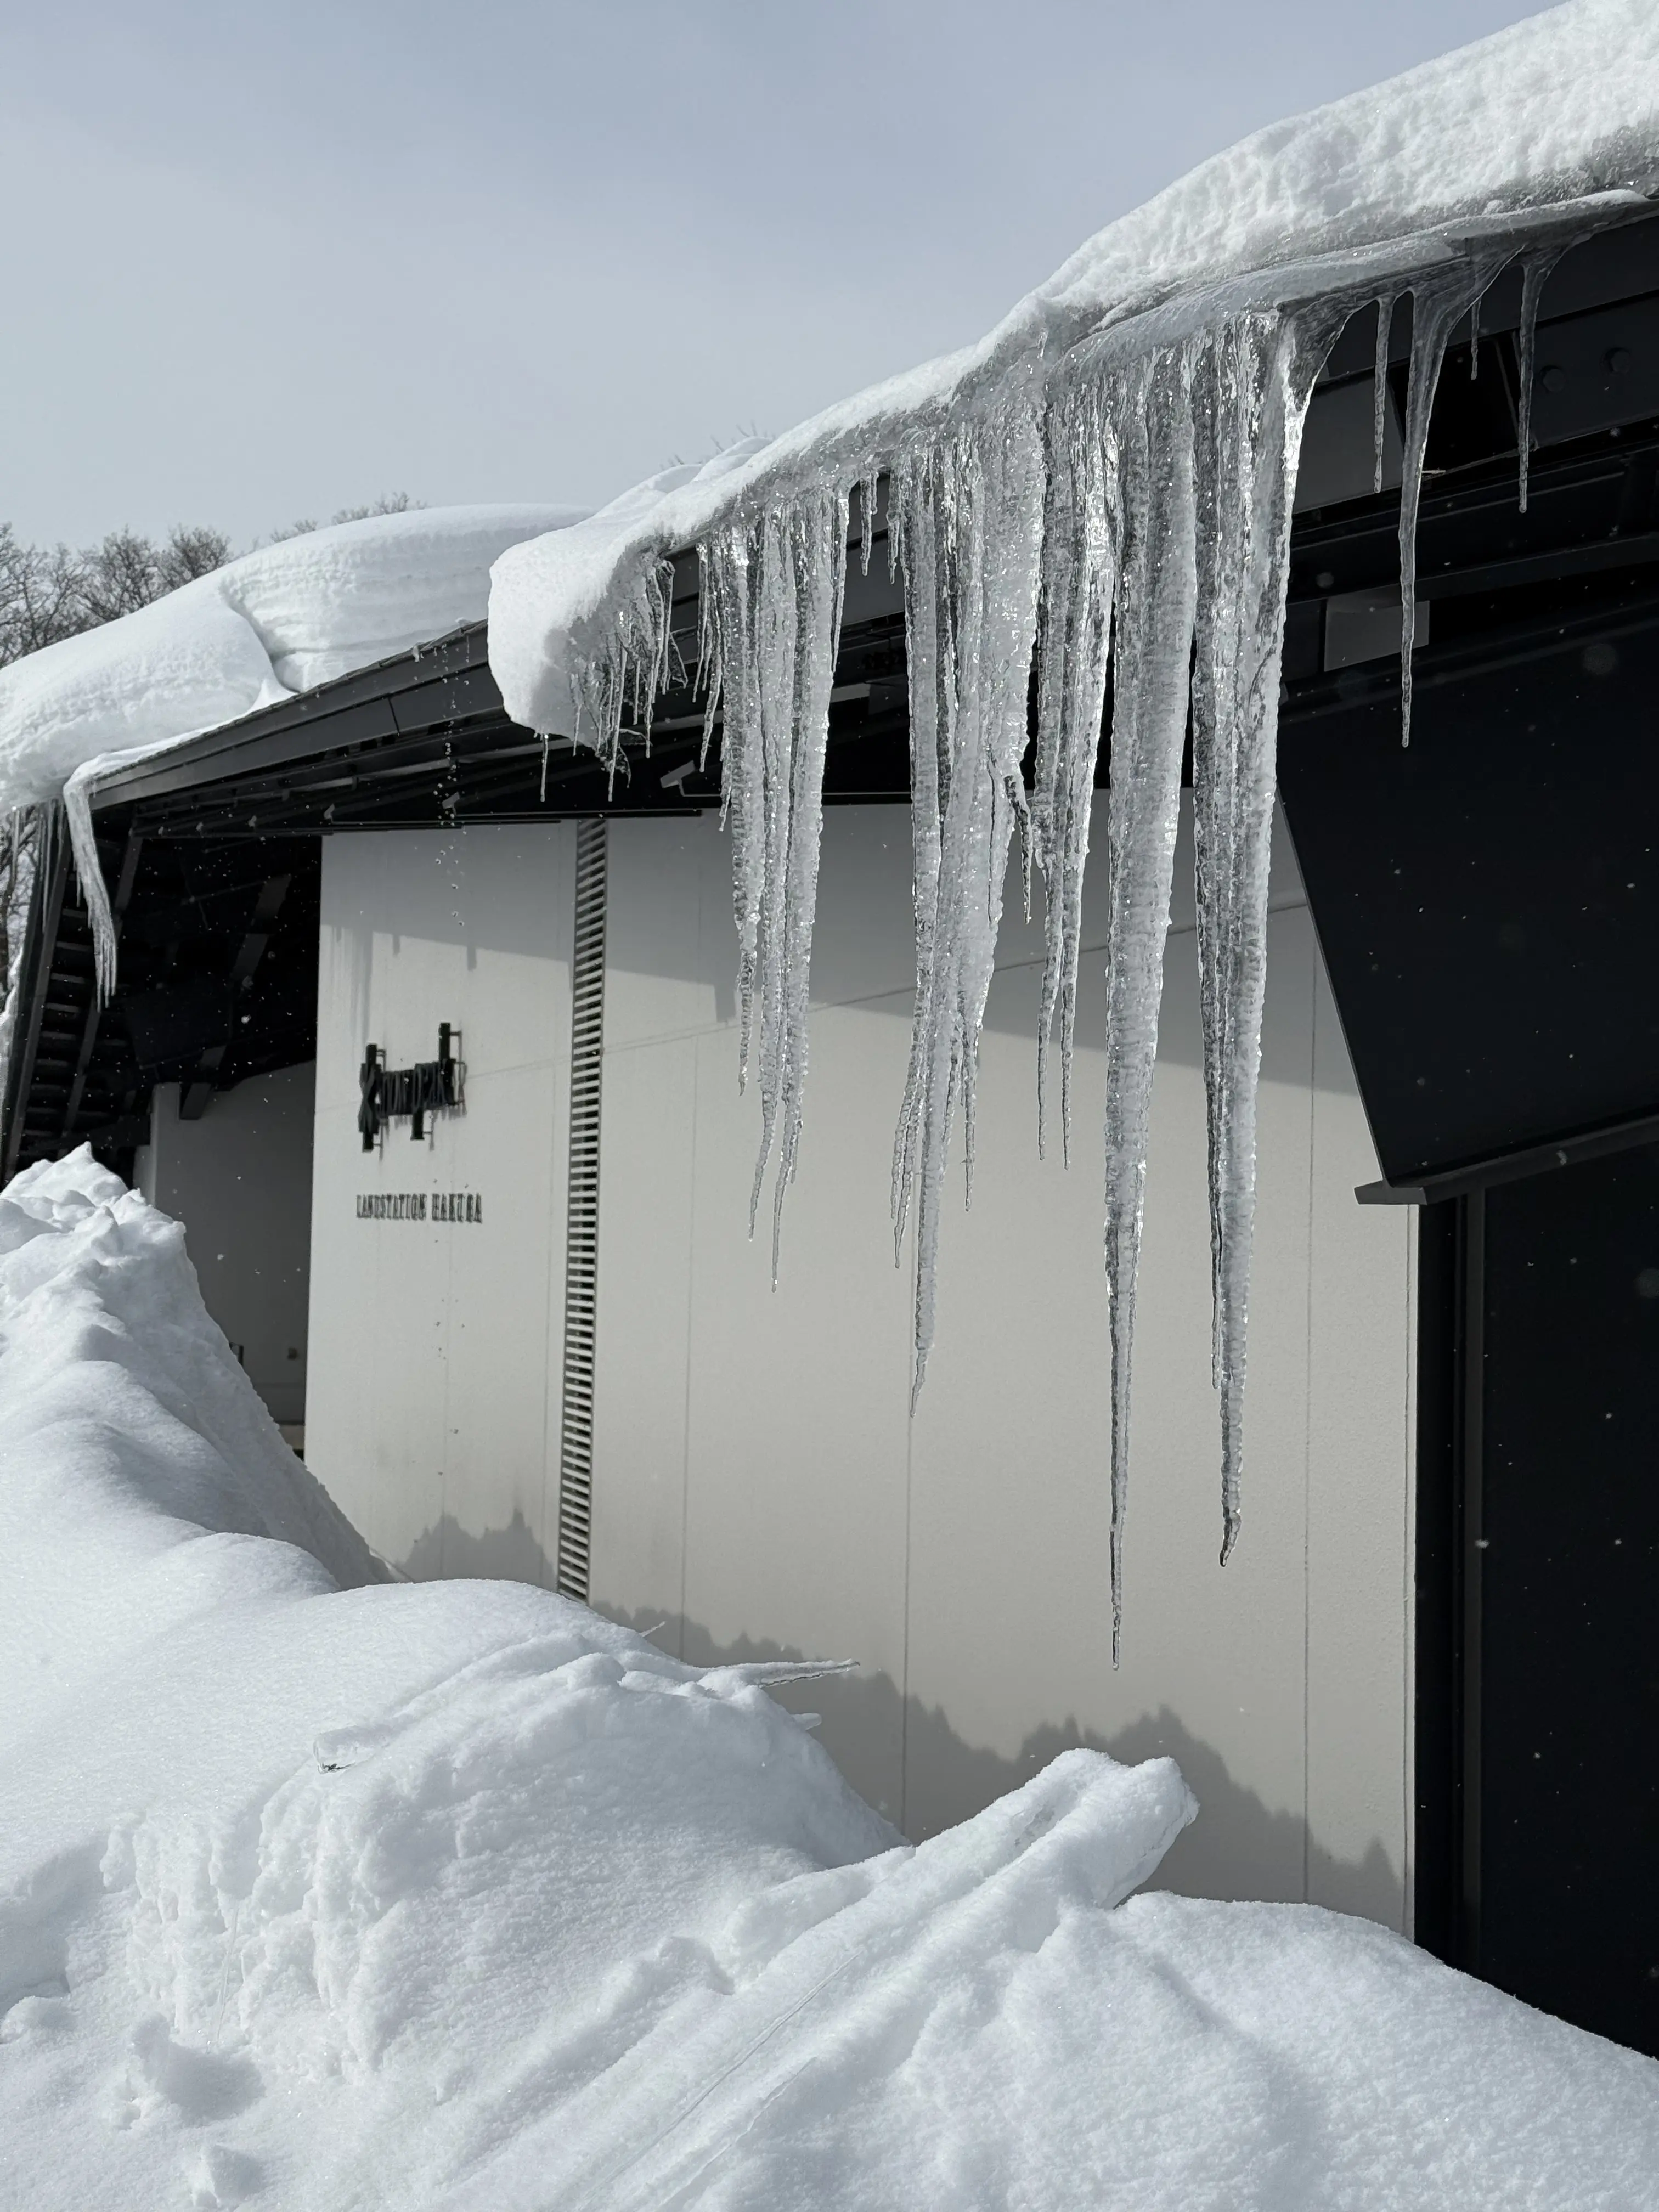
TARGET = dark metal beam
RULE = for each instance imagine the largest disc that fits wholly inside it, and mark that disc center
(194, 1094)
(45, 912)
(119, 905)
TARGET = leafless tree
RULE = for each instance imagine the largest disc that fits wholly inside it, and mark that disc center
(389, 502)
(40, 595)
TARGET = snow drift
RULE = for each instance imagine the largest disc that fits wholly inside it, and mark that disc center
(320, 1891)
(1108, 475)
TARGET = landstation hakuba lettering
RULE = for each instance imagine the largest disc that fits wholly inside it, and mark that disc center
(461, 1205)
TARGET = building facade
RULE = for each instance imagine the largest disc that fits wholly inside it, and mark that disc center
(402, 986)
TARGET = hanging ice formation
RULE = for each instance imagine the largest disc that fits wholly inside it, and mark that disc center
(770, 627)
(1124, 507)
(965, 533)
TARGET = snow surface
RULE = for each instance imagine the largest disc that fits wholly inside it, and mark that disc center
(456, 1895)
(282, 619)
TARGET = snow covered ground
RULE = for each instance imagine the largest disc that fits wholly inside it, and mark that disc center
(320, 1891)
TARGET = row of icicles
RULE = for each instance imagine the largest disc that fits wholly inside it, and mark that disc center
(1129, 511)
(1124, 511)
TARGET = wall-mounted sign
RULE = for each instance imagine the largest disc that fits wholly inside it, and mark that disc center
(431, 1086)
(420, 1206)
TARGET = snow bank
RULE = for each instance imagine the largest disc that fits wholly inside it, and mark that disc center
(455, 1894)
(279, 620)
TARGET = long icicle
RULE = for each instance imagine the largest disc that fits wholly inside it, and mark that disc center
(1251, 391)
(775, 584)
(1439, 301)
(819, 562)
(1157, 593)
(915, 529)
(1079, 570)
(967, 517)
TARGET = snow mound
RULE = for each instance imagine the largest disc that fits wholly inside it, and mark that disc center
(279, 620)
(456, 1895)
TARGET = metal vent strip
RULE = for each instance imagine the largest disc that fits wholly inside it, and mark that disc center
(581, 1262)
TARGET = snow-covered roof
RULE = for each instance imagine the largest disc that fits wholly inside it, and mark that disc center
(1560, 109)
(279, 620)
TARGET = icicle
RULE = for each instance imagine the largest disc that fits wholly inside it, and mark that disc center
(1075, 632)
(916, 534)
(637, 664)
(1475, 342)
(1536, 268)
(869, 493)
(773, 590)
(1385, 307)
(965, 523)
(90, 871)
(709, 665)
(1438, 299)
(1157, 593)
(1253, 383)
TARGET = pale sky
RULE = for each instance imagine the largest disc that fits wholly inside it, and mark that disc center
(270, 260)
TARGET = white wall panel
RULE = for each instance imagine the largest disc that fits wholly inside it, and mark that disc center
(433, 1403)
(239, 1180)
(758, 1485)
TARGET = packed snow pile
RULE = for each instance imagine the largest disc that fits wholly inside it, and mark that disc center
(320, 1891)
(1107, 479)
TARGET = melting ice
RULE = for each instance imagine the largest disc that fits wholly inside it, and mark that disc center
(1116, 522)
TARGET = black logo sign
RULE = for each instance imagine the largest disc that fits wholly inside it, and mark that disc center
(431, 1086)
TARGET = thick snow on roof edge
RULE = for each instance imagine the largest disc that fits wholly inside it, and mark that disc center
(456, 1893)
(282, 619)
(1561, 108)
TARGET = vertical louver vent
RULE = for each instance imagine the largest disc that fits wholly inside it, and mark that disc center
(581, 1264)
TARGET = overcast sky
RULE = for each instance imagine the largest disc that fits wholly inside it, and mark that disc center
(270, 260)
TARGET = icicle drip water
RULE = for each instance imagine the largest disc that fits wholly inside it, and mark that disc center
(1157, 591)
(1252, 383)
(1079, 570)
(772, 592)
(1439, 300)
(965, 523)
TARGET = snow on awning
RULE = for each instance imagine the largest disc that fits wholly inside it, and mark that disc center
(1109, 474)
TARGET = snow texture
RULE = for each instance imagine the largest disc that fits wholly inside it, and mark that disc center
(320, 1890)
(278, 621)
(1110, 474)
